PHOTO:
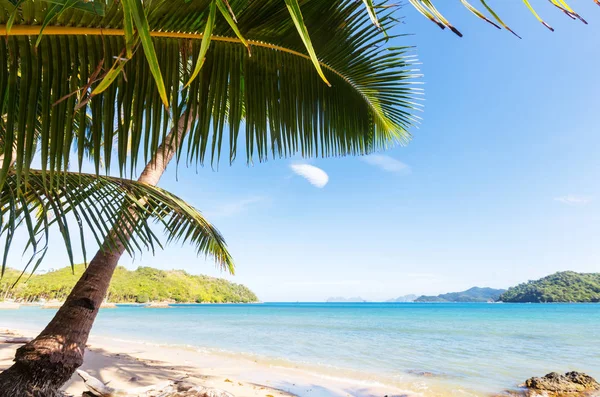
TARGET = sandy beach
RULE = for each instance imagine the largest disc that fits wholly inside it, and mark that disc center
(127, 364)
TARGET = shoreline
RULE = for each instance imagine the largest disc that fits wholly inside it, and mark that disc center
(128, 364)
(311, 350)
(56, 304)
(15, 304)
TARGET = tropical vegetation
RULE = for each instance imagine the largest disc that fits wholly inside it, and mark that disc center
(142, 285)
(157, 80)
(558, 287)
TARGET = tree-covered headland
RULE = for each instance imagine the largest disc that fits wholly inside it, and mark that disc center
(142, 285)
(558, 287)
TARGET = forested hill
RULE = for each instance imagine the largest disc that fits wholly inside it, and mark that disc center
(142, 285)
(558, 287)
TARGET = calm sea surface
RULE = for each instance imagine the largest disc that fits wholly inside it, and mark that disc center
(479, 347)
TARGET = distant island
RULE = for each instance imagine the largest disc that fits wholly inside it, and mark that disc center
(146, 284)
(405, 298)
(474, 294)
(558, 287)
(561, 287)
(143, 285)
(340, 299)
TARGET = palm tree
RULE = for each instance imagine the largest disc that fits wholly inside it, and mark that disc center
(164, 79)
(64, 85)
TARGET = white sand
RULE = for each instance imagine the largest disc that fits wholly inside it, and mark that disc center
(129, 364)
(9, 305)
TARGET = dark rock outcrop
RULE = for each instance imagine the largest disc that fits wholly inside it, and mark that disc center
(571, 383)
(415, 372)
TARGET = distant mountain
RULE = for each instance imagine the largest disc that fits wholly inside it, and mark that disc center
(557, 287)
(405, 298)
(474, 294)
(340, 299)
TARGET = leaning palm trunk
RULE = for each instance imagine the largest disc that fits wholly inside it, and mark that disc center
(46, 363)
(273, 90)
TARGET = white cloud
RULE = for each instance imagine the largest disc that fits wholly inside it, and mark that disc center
(572, 199)
(386, 163)
(316, 176)
(232, 208)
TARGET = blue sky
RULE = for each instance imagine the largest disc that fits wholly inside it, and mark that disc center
(499, 184)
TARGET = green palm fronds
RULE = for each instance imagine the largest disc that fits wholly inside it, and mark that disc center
(269, 78)
(89, 48)
(428, 9)
(98, 204)
(268, 101)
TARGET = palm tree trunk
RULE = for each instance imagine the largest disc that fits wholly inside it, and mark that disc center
(43, 365)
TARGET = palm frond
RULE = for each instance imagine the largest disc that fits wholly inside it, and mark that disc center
(94, 203)
(428, 9)
(268, 101)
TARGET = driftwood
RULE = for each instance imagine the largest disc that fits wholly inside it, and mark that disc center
(173, 388)
(17, 340)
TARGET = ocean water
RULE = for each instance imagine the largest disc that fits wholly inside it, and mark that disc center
(479, 348)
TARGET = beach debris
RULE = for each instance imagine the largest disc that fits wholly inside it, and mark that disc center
(172, 388)
(20, 340)
(571, 383)
(420, 373)
(101, 389)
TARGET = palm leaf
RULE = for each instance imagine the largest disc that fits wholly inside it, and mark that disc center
(81, 75)
(87, 35)
(206, 37)
(270, 104)
(95, 202)
(428, 9)
(296, 14)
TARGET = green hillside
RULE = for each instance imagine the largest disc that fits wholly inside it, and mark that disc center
(474, 294)
(558, 287)
(142, 285)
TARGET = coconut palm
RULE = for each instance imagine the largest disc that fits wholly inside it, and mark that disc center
(130, 81)
(75, 73)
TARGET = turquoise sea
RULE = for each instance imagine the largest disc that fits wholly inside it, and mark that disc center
(483, 348)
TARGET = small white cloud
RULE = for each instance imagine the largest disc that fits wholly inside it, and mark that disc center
(386, 163)
(316, 176)
(232, 208)
(572, 199)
